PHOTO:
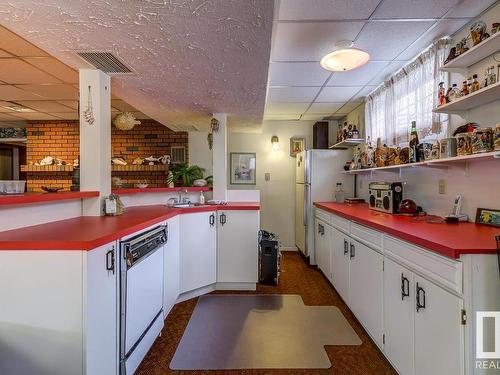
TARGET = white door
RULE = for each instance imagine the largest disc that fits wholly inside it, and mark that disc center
(101, 310)
(399, 306)
(366, 288)
(340, 263)
(198, 254)
(300, 228)
(171, 277)
(438, 331)
(237, 246)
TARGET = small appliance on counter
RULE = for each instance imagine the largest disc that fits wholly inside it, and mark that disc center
(269, 258)
(385, 196)
(456, 216)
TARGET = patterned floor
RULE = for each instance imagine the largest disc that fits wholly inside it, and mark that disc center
(296, 278)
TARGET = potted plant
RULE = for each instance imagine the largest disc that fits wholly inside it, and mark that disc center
(184, 174)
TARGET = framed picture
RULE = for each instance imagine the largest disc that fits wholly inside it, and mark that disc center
(296, 145)
(488, 216)
(243, 168)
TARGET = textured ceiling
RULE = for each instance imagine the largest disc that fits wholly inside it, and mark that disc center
(191, 58)
(393, 32)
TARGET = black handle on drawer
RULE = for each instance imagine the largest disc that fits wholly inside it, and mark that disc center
(346, 247)
(223, 219)
(110, 260)
(211, 220)
(405, 287)
(353, 251)
(420, 295)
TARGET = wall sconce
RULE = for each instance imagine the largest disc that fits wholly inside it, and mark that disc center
(275, 142)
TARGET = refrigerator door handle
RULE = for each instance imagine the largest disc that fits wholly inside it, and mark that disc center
(306, 203)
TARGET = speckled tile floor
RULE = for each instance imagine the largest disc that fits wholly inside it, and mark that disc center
(296, 278)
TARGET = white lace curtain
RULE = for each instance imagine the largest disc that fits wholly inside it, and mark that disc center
(410, 95)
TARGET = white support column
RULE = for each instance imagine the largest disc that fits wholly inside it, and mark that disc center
(220, 158)
(95, 139)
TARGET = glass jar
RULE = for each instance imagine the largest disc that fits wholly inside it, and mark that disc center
(475, 84)
(482, 140)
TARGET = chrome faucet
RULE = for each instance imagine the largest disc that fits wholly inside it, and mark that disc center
(182, 199)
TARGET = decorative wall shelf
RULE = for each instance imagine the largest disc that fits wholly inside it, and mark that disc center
(477, 53)
(139, 168)
(346, 144)
(47, 168)
(483, 96)
(13, 140)
(437, 163)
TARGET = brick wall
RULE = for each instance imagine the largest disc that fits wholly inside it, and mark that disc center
(61, 139)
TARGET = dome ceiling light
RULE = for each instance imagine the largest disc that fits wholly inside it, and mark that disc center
(344, 58)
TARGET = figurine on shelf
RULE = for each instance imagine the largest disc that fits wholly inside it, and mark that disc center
(441, 94)
(465, 88)
(495, 27)
(370, 154)
(448, 93)
(492, 77)
(462, 47)
(451, 55)
(475, 84)
(355, 132)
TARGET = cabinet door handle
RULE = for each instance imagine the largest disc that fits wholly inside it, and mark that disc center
(211, 220)
(405, 287)
(346, 247)
(223, 219)
(353, 251)
(420, 295)
(110, 260)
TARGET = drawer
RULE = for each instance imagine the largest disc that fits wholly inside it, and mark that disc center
(367, 236)
(444, 271)
(323, 215)
(340, 223)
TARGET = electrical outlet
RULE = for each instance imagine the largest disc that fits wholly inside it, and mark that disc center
(267, 176)
(442, 186)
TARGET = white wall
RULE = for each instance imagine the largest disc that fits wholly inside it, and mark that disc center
(278, 194)
(478, 183)
(199, 154)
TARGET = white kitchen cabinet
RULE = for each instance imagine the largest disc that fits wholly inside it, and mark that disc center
(198, 254)
(438, 330)
(100, 318)
(237, 247)
(319, 229)
(399, 307)
(366, 288)
(171, 276)
(323, 247)
(340, 263)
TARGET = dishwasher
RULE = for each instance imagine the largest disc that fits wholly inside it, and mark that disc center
(141, 295)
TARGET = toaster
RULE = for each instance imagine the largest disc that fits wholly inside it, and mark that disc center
(385, 196)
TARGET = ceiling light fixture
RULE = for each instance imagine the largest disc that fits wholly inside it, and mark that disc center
(344, 58)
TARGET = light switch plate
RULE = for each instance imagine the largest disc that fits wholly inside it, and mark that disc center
(267, 176)
(442, 186)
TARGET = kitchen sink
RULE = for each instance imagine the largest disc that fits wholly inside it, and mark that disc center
(183, 205)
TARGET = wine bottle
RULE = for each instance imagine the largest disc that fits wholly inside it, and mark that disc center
(413, 145)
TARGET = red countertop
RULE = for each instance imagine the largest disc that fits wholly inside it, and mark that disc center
(446, 239)
(88, 232)
(129, 191)
(28, 198)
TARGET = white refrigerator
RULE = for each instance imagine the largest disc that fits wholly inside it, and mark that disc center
(316, 174)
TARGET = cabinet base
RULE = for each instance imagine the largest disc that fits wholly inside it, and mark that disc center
(236, 286)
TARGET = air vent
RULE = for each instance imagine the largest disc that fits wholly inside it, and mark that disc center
(105, 61)
(178, 154)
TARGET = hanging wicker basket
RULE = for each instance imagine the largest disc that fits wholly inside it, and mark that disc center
(125, 121)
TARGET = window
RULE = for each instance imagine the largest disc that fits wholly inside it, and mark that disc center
(178, 154)
(410, 95)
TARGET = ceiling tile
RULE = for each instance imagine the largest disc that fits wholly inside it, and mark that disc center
(73, 104)
(35, 116)
(18, 46)
(315, 116)
(9, 92)
(348, 107)
(16, 71)
(281, 117)
(337, 94)
(292, 94)
(413, 9)
(54, 67)
(272, 107)
(386, 40)
(439, 30)
(357, 77)
(470, 8)
(297, 74)
(310, 41)
(45, 106)
(388, 71)
(324, 107)
(359, 97)
(326, 9)
(52, 92)
(67, 115)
